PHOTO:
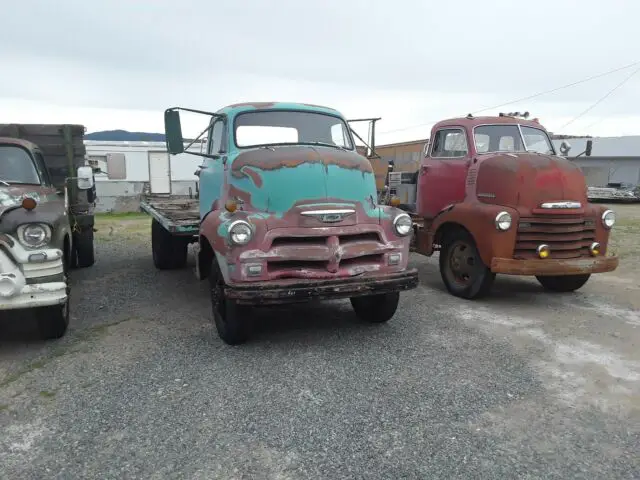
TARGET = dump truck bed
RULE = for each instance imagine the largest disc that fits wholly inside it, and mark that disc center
(178, 215)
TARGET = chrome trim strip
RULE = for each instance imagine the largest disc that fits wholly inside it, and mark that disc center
(561, 205)
(338, 211)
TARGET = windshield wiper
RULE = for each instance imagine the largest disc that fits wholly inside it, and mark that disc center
(6, 183)
(333, 145)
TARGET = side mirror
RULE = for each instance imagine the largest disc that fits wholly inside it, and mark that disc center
(587, 152)
(173, 132)
(564, 148)
(85, 177)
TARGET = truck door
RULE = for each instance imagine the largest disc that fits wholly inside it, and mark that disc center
(441, 180)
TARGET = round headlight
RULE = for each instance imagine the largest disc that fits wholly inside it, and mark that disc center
(240, 232)
(503, 221)
(403, 224)
(34, 235)
(609, 218)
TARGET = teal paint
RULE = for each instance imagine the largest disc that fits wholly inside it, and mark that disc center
(282, 188)
(211, 181)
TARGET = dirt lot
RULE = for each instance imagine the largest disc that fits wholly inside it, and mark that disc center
(521, 385)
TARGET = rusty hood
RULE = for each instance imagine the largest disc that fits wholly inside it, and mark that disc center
(526, 180)
(11, 196)
(285, 181)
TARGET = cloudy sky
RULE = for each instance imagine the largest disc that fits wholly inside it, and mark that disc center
(118, 64)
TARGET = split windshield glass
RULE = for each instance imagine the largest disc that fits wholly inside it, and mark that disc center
(16, 166)
(254, 129)
(507, 138)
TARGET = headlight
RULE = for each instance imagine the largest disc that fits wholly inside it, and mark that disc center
(240, 232)
(609, 218)
(403, 224)
(503, 221)
(34, 235)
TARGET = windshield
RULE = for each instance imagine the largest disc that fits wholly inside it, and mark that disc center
(16, 166)
(507, 138)
(254, 129)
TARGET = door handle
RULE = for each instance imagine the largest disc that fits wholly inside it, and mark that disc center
(424, 168)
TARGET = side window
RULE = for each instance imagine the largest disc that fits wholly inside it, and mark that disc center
(450, 143)
(216, 140)
(42, 169)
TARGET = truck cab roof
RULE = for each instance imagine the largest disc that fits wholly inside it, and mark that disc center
(469, 122)
(237, 108)
(18, 142)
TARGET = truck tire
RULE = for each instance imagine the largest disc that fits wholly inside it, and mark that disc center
(563, 283)
(53, 321)
(376, 308)
(83, 255)
(462, 270)
(169, 252)
(230, 318)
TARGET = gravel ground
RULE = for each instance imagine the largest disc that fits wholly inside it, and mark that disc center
(522, 385)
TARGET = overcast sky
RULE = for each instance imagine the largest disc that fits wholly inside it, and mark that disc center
(112, 64)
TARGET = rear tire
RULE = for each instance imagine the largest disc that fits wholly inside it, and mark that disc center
(169, 252)
(563, 283)
(376, 308)
(230, 318)
(462, 270)
(83, 251)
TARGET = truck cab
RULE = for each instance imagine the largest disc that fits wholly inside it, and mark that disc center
(493, 196)
(36, 237)
(288, 212)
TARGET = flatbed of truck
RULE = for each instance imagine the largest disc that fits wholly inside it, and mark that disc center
(178, 215)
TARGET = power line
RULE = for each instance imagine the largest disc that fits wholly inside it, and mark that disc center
(529, 97)
(601, 99)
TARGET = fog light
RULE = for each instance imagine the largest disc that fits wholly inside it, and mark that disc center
(254, 270)
(394, 258)
(543, 251)
(8, 286)
(595, 249)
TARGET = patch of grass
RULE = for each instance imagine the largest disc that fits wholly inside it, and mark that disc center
(120, 215)
(3, 407)
(47, 394)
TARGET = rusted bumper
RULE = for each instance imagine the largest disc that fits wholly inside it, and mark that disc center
(510, 266)
(296, 290)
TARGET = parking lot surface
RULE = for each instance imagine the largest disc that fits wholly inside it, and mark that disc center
(521, 385)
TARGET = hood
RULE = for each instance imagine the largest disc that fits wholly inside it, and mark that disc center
(526, 180)
(11, 197)
(283, 181)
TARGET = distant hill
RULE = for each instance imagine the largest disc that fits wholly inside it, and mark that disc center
(125, 136)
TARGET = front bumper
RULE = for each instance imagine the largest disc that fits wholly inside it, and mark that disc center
(296, 290)
(575, 266)
(30, 278)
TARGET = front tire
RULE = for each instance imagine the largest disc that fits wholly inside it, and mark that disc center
(462, 270)
(169, 252)
(53, 321)
(376, 308)
(563, 283)
(230, 318)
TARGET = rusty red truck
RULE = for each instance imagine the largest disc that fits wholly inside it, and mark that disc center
(492, 196)
(287, 212)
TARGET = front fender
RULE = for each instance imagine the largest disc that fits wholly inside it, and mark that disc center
(479, 220)
(215, 228)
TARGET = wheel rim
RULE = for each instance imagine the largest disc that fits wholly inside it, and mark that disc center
(462, 263)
